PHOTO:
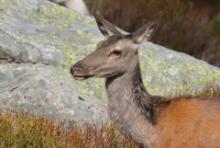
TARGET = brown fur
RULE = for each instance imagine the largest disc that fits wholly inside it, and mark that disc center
(188, 123)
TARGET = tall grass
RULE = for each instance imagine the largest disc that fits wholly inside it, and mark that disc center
(26, 131)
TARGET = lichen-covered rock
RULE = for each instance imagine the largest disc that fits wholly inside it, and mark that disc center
(47, 90)
(77, 5)
(40, 40)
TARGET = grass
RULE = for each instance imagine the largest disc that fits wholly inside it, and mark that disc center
(210, 92)
(25, 131)
(19, 130)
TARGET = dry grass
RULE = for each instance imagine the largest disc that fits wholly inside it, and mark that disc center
(24, 131)
(210, 92)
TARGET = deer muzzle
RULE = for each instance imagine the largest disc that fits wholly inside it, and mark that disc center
(79, 72)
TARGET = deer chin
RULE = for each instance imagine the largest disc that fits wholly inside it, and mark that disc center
(81, 77)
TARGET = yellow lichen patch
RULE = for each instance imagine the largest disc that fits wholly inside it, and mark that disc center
(89, 22)
(2, 2)
(99, 88)
(79, 32)
(84, 85)
(217, 75)
(4, 20)
(56, 10)
(71, 57)
(72, 15)
(43, 21)
(54, 15)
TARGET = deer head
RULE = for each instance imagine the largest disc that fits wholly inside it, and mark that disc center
(114, 54)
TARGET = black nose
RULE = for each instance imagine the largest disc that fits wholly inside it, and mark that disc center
(75, 69)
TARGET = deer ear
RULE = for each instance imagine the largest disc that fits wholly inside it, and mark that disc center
(106, 28)
(145, 32)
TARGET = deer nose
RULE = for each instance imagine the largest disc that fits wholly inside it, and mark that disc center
(75, 69)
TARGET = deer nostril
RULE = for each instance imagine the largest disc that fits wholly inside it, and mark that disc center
(75, 69)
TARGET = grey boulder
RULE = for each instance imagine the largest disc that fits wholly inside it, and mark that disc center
(39, 41)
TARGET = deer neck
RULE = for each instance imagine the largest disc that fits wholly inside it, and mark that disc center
(129, 104)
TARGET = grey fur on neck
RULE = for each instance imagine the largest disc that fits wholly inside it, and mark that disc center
(129, 101)
(133, 81)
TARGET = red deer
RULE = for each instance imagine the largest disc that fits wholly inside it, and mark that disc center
(151, 121)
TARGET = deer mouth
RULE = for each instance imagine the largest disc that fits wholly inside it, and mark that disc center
(81, 77)
(79, 73)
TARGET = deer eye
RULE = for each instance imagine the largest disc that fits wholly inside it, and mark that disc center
(115, 53)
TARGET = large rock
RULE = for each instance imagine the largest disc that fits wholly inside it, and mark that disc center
(76, 5)
(40, 40)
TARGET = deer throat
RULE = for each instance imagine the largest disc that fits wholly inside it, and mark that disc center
(129, 106)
